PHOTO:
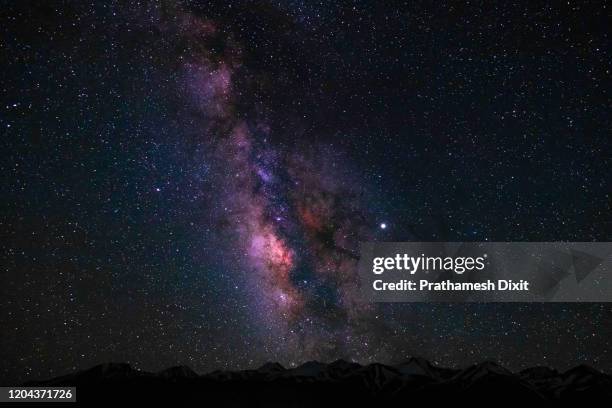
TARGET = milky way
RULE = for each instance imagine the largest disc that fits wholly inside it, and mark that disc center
(287, 209)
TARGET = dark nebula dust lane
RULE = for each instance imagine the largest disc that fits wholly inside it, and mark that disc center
(189, 182)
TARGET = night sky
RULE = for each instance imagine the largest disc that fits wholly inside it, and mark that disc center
(188, 183)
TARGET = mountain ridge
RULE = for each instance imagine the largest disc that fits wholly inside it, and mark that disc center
(316, 383)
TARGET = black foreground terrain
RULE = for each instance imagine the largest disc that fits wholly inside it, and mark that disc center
(340, 383)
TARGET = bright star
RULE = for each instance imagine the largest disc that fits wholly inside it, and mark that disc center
(383, 225)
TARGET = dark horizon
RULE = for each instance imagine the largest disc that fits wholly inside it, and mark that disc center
(116, 364)
(340, 382)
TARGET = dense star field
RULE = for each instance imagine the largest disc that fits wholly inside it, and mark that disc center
(188, 183)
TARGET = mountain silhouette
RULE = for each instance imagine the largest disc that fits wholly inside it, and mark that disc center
(340, 383)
